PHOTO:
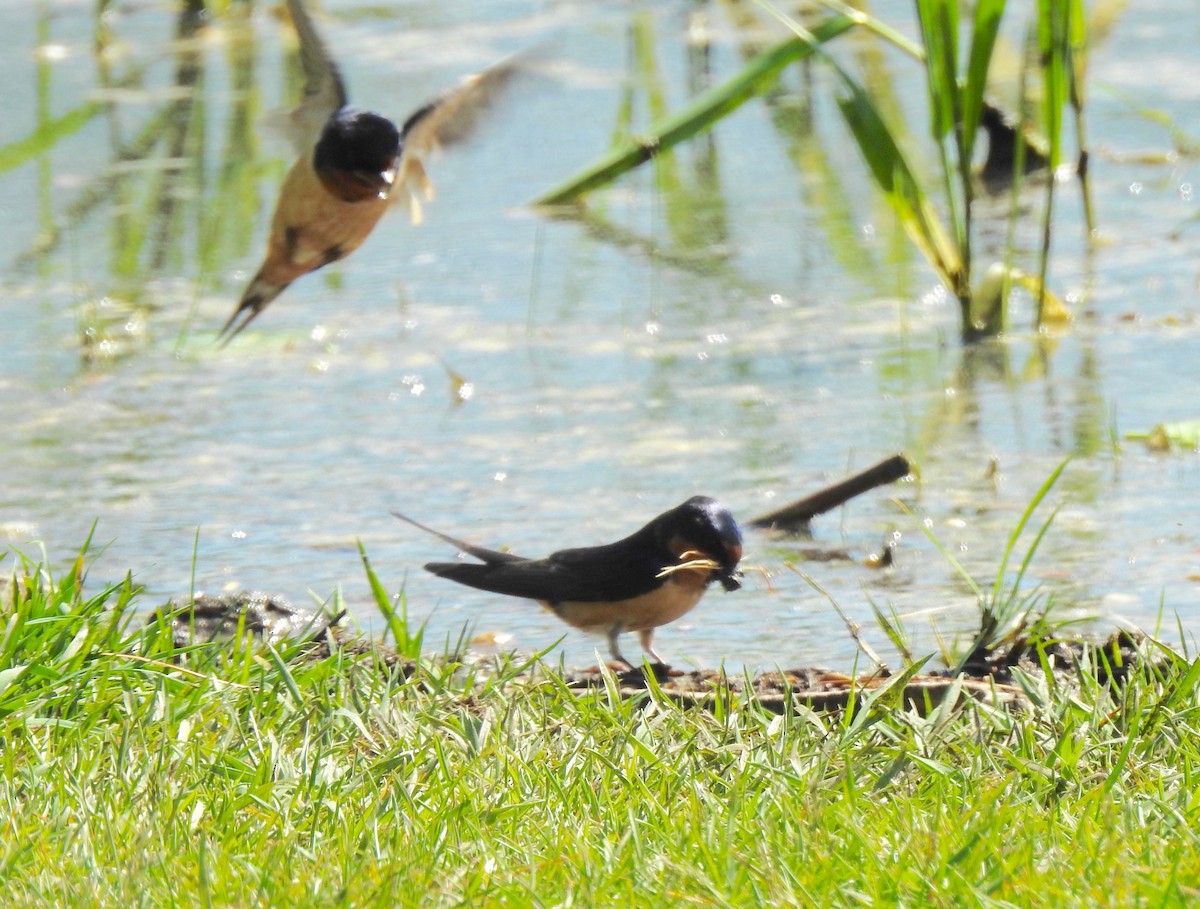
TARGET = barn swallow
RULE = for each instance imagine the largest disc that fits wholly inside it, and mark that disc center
(648, 579)
(353, 166)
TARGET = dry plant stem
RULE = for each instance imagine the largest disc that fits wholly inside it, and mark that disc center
(852, 627)
(691, 564)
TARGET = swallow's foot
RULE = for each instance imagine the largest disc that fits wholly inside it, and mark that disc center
(636, 676)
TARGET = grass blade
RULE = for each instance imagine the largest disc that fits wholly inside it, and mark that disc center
(1041, 494)
(939, 31)
(1053, 30)
(895, 177)
(988, 14)
(395, 622)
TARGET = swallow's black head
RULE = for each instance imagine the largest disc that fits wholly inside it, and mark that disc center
(707, 526)
(359, 148)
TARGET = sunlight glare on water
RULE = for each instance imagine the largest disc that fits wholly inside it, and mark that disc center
(741, 327)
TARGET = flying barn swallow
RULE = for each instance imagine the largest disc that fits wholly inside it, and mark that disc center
(648, 579)
(353, 166)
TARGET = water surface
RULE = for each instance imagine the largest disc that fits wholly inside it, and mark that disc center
(748, 333)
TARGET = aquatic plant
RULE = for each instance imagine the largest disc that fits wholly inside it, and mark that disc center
(937, 214)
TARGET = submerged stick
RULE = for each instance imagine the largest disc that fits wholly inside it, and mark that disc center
(797, 515)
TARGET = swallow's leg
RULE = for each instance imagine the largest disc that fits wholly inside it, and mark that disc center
(645, 636)
(613, 647)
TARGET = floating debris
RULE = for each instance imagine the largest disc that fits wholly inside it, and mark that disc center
(263, 615)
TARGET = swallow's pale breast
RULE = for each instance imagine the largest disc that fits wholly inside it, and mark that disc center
(313, 227)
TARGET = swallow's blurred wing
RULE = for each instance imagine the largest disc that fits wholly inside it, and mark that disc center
(449, 118)
(453, 115)
(324, 90)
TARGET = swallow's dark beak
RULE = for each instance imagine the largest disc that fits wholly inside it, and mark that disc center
(379, 182)
(729, 576)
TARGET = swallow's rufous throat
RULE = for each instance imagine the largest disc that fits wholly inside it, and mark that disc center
(648, 579)
(353, 165)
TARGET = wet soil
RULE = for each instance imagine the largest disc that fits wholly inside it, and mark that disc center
(986, 675)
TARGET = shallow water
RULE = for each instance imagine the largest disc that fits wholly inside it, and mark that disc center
(747, 335)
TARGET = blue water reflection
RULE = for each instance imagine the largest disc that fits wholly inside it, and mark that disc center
(617, 365)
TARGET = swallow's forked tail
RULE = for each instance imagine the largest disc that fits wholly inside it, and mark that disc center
(254, 300)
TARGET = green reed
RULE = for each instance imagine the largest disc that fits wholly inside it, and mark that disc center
(936, 207)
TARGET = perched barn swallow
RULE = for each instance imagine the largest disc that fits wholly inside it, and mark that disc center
(354, 164)
(636, 584)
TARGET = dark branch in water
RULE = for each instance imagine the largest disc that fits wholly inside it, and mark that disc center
(795, 517)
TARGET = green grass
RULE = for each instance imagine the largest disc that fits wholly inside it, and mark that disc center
(133, 773)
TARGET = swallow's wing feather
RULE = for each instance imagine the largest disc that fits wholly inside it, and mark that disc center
(449, 118)
(324, 90)
(536, 580)
(590, 575)
(453, 115)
